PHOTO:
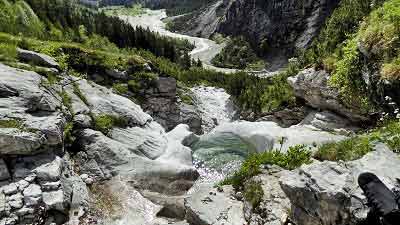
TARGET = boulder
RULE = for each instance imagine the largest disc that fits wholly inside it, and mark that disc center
(4, 174)
(312, 86)
(16, 142)
(166, 86)
(101, 100)
(116, 74)
(328, 121)
(208, 206)
(182, 134)
(40, 59)
(190, 116)
(50, 171)
(327, 192)
(275, 205)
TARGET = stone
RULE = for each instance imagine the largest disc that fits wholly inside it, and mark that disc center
(50, 171)
(4, 174)
(4, 207)
(51, 186)
(82, 121)
(33, 190)
(24, 211)
(328, 121)
(22, 184)
(116, 74)
(101, 100)
(10, 189)
(182, 134)
(190, 116)
(327, 192)
(54, 200)
(312, 86)
(217, 208)
(166, 86)
(274, 204)
(15, 201)
(16, 142)
(40, 59)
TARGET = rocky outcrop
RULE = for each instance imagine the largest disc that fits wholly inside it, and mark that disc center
(327, 192)
(312, 86)
(37, 58)
(212, 206)
(287, 25)
(328, 121)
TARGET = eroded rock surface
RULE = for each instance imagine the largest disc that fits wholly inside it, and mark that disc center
(327, 192)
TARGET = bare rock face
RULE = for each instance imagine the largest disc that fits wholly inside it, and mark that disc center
(325, 193)
(312, 86)
(208, 206)
(29, 112)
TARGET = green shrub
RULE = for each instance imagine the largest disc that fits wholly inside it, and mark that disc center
(105, 122)
(8, 52)
(253, 193)
(68, 137)
(67, 101)
(121, 88)
(294, 158)
(346, 150)
(11, 123)
(388, 133)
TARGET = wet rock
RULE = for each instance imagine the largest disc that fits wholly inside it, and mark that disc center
(4, 174)
(312, 86)
(40, 59)
(327, 192)
(207, 206)
(190, 116)
(182, 134)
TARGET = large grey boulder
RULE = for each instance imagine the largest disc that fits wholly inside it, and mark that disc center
(190, 116)
(328, 121)
(100, 100)
(208, 206)
(312, 86)
(325, 193)
(40, 59)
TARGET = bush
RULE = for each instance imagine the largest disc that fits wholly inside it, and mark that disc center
(120, 88)
(294, 158)
(346, 150)
(253, 193)
(105, 122)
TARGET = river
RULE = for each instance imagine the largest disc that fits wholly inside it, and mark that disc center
(205, 49)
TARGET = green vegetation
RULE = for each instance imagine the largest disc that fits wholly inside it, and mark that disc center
(133, 10)
(11, 123)
(66, 100)
(238, 54)
(79, 93)
(253, 193)
(121, 89)
(68, 137)
(346, 150)
(295, 157)
(359, 145)
(105, 122)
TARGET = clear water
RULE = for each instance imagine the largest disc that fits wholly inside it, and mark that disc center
(217, 155)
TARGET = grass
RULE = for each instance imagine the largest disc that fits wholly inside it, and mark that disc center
(294, 158)
(253, 193)
(346, 150)
(120, 89)
(11, 123)
(68, 136)
(67, 101)
(106, 122)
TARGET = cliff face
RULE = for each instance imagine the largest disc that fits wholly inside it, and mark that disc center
(284, 24)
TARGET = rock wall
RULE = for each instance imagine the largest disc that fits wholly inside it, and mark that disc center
(283, 24)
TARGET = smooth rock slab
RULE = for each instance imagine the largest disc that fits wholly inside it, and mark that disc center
(325, 193)
(207, 206)
(54, 200)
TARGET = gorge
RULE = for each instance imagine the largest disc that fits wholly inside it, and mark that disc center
(101, 124)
